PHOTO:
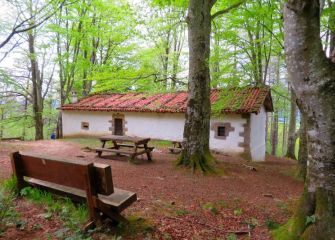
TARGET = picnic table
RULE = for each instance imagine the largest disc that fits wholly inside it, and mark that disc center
(125, 145)
(177, 147)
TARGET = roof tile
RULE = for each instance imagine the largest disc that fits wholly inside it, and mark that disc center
(231, 100)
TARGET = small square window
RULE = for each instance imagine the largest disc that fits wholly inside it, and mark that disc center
(85, 125)
(221, 131)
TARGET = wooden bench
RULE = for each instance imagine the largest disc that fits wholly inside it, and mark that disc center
(77, 179)
(177, 147)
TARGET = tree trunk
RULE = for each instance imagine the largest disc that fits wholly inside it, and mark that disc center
(37, 88)
(195, 153)
(313, 81)
(284, 135)
(331, 25)
(2, 117)
(274, 133)
(292, 128)
(303, 154)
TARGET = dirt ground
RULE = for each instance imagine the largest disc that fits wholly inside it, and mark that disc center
(177, 204)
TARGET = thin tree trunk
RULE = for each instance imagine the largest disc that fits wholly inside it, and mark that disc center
(284, 135)
(2, 117)
(292, 128)
(195, 153)
(165, 59)
(313, 81)
(37, 88)
(274, 133)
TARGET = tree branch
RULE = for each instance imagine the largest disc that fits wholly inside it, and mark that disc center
(223, 11)
(16, 29)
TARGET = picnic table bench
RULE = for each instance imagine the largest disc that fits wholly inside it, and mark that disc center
(125, 145)
(177, 147)
(77, 179)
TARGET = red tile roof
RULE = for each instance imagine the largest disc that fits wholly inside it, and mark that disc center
(232, 100)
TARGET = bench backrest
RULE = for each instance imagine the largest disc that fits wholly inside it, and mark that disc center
(71, 173)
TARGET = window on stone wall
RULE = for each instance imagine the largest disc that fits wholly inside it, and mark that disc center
(221, 131)
(85, 125)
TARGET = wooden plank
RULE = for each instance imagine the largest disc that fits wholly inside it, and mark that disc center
(126, 152)
(119, 138)
(126, 145)
(103, 178)
(102, 172)
(11, 139)
(117, 201)
(71, 174)
(140, 152)
(17, 169)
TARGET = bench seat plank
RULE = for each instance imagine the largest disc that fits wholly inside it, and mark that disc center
(117, 201)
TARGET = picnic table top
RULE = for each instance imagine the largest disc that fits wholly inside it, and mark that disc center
(122, 138)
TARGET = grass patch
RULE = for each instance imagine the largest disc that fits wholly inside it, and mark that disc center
(137, 226)
(238, 212)
(73, 216)
(8, 215)
(271, 224)
(283, 232)
(182, 212)
(84, 142)
(160, 143)
(93, 142)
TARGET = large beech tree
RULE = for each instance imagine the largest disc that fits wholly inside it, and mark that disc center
(313, 80)
(196, 153)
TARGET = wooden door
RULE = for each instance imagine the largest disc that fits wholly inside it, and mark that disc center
(118, 126)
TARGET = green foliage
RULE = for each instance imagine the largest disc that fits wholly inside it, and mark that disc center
(182, 212)
(283, 232)
(10, 185)
(271, 224)
(137, 225)
(8, 214)
(310, 220)
(238, 212)
(211, 207)
(232, 236)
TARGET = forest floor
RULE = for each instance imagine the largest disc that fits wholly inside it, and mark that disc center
(173, 203)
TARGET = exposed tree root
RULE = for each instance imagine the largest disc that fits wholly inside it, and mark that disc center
(203, 162)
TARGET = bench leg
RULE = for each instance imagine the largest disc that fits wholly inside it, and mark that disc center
(115, 216)
(99, 153)
(148, 152)
(88, 226)
(149, 156)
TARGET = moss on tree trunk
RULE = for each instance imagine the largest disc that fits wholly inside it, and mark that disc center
(195, 153)
(313, 81)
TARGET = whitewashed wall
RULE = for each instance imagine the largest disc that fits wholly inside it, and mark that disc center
(165, 126)
(98, 123)
(231, 143)
(257, 135)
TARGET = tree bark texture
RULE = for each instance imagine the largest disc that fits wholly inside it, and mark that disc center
(37, 88)
(303, 154)
(292, 128)
(2, 117)
(313, 81)
(196, 153)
